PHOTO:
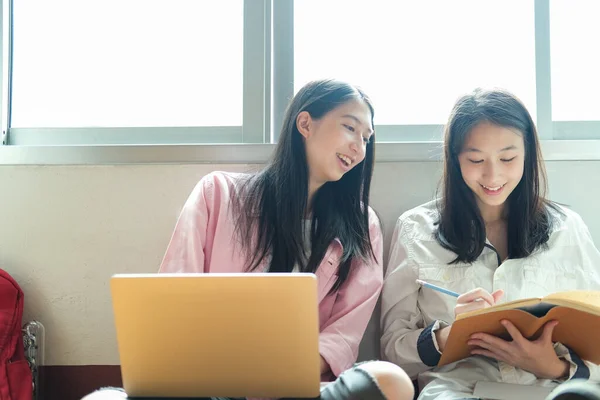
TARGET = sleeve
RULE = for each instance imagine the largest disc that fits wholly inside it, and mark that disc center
(589, 256)
(589, 259)
(185, 252)
(405, 340)
(579, 369)
(355, 301)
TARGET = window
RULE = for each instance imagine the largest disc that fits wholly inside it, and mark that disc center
(115, 63)
(574, 37)
(415, 58)
(185, 72)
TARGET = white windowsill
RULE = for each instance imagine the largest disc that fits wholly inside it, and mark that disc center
(553, 150)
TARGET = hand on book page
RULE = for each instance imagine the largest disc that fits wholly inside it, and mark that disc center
(536, 356)
(577, 311)
(472, 300)
(476, 299)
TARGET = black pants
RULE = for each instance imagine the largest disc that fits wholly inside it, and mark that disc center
(354, 384)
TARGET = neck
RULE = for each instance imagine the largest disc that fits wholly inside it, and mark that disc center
(491, 214)
(313, 186)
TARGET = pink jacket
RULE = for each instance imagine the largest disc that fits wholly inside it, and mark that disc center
(203, 241)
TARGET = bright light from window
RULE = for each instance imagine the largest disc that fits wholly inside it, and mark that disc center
(127, 63)
(575, 53)
(415, 58)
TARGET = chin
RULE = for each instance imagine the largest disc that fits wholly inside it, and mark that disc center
(492, 202)
(496, 203)
(335, 177)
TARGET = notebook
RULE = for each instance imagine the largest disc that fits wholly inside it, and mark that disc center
(577, 311)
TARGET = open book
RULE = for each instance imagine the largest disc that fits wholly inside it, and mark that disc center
(577, 313)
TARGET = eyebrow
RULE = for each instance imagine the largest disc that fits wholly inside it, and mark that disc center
(358, 121)
(474, 150)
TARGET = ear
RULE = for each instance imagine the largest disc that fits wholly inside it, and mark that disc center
(304, 123)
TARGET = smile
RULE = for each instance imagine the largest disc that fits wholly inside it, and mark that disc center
(493, 189)
(345, 159)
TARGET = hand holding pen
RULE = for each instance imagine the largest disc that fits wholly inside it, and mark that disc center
(534, 355)
(472, 300)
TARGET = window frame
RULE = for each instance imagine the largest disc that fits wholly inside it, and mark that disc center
(268, 31)
(256, 85)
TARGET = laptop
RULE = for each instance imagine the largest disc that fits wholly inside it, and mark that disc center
(221, 335)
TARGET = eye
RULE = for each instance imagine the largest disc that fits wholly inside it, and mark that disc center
(350, 128)
(476, 161)
(366, 140)
(507, 160)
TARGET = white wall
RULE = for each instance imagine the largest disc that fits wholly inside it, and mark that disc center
(64, 230)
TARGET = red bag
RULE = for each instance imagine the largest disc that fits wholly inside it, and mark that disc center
(16, 382)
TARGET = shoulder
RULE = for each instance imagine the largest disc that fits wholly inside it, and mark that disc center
(570, 250)
(419, 223)
(222, 179)
(215, 188)
(414, 237)
(219, 182)
(566, 223)
(374, 220)
(565, 215)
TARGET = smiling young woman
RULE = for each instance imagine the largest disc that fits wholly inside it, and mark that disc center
(492, 236)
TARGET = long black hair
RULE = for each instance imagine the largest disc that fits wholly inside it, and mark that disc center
(270, 206)
(461, 228)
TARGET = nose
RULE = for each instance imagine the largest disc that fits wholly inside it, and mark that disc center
(490, 171)
(357, 148)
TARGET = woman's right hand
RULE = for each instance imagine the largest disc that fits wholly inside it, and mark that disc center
(472, 300)
(476, 299)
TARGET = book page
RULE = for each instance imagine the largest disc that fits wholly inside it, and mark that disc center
(585, 300)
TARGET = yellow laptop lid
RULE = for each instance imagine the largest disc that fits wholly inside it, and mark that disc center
(229, 335)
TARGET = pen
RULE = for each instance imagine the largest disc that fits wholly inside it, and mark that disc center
(439, 289)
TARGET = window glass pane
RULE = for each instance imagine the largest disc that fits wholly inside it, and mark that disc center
(415, 58)
(575, 54)
(102, 63)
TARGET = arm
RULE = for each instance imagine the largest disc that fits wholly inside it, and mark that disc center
(185, 252)
(405, 340)
(590, 260)
(341, 334)
(542, 357)
(577, 368)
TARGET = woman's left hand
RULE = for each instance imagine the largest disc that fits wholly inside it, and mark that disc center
(536, 356)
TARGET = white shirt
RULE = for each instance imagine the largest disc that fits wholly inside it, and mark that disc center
(411, 314)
